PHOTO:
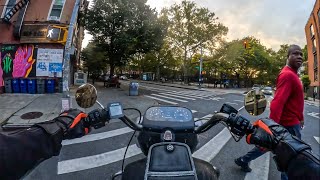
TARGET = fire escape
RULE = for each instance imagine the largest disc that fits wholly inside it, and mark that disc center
(20, 7)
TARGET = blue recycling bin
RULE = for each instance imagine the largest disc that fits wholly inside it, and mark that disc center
(23, 85)
(16, 85)
(32, 86)
(133, 89)
(50, 84)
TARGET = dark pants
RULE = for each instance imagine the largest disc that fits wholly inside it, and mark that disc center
(256, 152)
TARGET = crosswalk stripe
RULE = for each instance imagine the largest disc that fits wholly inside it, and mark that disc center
(260, 168)
(317, 139)
(158, 89)
(169, 97)
(98, 160)
(238, 100)
(98, 136)
(208, 151)
(187, 95)
(170, 102)
(194, 111)
(231, 103)
(167, 94)
(195, 94)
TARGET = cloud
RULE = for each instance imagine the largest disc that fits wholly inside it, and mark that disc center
(274, 22)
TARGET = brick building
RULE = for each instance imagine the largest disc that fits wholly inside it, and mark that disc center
(33, 34)
(312, 30)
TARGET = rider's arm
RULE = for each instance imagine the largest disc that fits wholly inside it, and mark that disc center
(292, 155)
(304, 166)
(21, 151)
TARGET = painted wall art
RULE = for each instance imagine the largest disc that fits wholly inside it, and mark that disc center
(17, 61)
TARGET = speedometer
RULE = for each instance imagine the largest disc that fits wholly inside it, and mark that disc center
(181, 115)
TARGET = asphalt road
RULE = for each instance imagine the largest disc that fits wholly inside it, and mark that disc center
(99, 155)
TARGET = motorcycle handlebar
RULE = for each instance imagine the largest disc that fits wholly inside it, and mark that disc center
(133, 125)
(215, 119)
(237, 124)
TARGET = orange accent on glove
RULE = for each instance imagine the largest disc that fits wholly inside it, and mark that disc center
(78, 119)
(262, 125)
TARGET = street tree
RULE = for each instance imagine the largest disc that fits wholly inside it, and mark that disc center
(94, 59)
(123, 28)
(190, 28)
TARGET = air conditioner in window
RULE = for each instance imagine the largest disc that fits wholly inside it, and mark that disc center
(53, 18)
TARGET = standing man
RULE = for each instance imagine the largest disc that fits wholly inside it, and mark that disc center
(287, 106)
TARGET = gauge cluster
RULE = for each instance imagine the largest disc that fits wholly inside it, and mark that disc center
(173, 114)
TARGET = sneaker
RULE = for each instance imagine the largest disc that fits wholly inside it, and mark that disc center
(244, 166)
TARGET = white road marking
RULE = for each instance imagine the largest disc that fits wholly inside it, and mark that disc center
(216, 98)
(98, 136)
(98, 160)
(317, 139)
(208, 151)
(169, 97)
(188, 95)
(238, 100)
(194, 111)
(231, 103)
(195, 94)
(260, 168)
(169, 102)
(314, 114)
(167, 94)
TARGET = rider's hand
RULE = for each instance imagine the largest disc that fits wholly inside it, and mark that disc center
(270, 135)
(72, 123)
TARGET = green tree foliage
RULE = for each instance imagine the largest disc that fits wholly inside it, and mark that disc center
(123, 28)
(94, 59)
(306, 82)
(191, 27)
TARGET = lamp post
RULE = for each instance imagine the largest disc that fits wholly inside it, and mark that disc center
(200, 68)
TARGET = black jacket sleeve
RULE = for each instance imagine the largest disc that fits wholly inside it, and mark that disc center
(22, 150)
(305, 166)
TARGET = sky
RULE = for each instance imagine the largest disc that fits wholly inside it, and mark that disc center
(274, 22)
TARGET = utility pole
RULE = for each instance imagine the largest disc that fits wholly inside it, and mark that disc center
(200, 68)
(66, 100)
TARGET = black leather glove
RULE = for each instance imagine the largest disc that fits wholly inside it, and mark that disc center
(67, 125)
(270, 135)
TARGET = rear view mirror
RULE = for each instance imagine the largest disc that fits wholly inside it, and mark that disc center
(86, 95)
(255, 103)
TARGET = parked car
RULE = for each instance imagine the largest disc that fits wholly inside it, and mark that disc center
(267, 90)
(256, 86)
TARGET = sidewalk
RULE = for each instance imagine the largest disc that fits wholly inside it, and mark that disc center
(310, 101)
(44, 107)
(194, 86)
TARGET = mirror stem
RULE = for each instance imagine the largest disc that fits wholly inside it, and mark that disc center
(100, 104)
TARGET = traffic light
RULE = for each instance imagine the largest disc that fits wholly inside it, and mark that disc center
(57, 33)
(245, 44)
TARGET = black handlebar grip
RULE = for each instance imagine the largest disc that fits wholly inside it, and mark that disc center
(239, 125)
(97, 118)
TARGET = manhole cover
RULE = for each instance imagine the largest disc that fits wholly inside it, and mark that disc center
(31, 115)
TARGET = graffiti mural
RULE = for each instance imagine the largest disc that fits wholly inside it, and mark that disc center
(23, 61)
(17, 61)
